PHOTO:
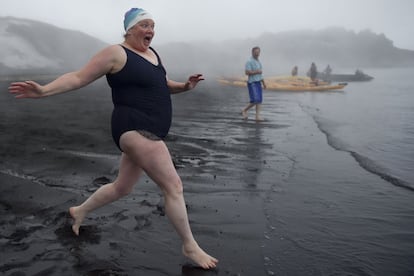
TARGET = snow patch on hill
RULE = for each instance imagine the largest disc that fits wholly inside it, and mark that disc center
(18, 53)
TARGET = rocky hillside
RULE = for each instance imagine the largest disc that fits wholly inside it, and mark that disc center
(32, 47)
(344, 50)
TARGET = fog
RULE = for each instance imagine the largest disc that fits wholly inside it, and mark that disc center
(218, 20)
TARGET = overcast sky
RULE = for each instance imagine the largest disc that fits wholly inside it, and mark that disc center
(194, 20)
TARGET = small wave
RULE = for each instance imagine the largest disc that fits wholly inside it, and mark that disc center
(374, 168)
(366, 163)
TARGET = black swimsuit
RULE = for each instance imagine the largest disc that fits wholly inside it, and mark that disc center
(141, 98)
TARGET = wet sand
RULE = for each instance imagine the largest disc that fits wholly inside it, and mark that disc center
(261, 197)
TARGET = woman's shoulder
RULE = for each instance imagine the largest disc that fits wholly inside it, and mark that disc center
(115, 48)
(115, 51)
(113, 56)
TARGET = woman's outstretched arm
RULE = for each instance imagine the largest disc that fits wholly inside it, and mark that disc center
(102, 63)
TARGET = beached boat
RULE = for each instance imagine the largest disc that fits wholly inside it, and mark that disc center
(286, 83)
(314, 87)
(357, 76)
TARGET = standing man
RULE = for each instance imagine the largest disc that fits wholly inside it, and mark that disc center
(253, 70)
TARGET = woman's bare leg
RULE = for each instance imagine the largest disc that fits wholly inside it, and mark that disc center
(128, 175)
(155, 159)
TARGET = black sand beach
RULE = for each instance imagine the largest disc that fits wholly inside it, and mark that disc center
(269, 198)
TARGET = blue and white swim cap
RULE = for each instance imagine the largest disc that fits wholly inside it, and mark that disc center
(133, 16)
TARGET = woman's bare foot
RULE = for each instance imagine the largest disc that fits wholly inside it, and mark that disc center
(77, 219)
(195, 253)
(244, 115)
(259, 119)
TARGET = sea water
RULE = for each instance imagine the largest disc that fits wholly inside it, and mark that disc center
(374, 121)
(346, 207)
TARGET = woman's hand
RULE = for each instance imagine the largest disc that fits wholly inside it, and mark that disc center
(26, 89)
(192, 81)
(178, 87)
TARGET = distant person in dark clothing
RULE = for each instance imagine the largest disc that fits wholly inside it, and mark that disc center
(294, 71)
(313, 73)
(328, 70)
(327, 73)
